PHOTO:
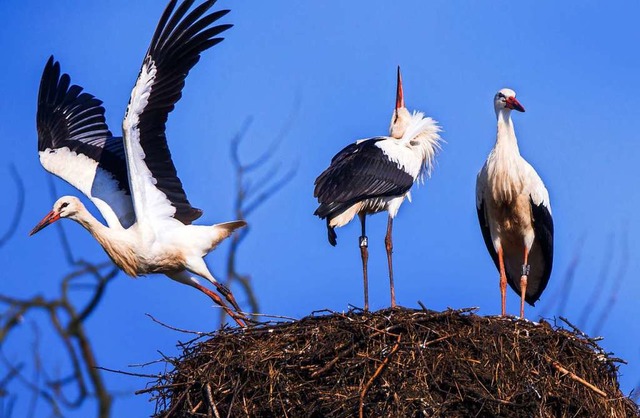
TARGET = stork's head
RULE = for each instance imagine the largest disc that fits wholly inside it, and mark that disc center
(65, 207)
(506, 99)
(401, 115)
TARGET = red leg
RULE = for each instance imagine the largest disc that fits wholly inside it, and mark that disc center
(503, 282)
(523, 280)
(226, 292)
(236, 317)
(364, 253)
(389, 246)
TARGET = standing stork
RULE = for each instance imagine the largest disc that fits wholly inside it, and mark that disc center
(375, 175)
(132, 181)
(514, 212)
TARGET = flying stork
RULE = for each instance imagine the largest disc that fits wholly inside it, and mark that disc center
(376, 174)
(131, 179)
(514, 212)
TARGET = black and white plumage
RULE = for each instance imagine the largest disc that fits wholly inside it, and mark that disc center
(514, 212)
(132, 180)
(375, 175)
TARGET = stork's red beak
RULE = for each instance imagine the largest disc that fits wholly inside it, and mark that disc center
(46, 221)
(513, 103)
(399, 94)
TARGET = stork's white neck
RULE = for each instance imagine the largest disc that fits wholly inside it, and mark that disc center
(90, 223)
(506, 136)
(117, 243)
(504, 162)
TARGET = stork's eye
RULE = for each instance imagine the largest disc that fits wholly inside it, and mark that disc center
(64, 205)
(502, 96)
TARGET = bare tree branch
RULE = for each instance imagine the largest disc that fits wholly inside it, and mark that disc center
(252, 191)
(618, 279)
(66, 318)
(19, 207)
(66, 247)
(561, 295)
(601, 280)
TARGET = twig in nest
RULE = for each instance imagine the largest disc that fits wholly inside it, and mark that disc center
(186, 331)
(345, 349)
(376, 374)
(592, 340)
(212, 404)
(575, 377)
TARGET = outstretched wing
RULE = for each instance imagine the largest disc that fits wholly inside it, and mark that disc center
(358, 172)
(176, 46)
(75, 144)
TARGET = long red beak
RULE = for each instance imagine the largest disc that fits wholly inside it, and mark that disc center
(513, 103)
(46, 221)
(399, 93)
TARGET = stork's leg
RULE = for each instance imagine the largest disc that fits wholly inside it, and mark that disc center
(364, 253)
(523, 280)
(226, 292)
(239, 318)
(503, 282)
(388, 242)
(196, 265)
(186, 278)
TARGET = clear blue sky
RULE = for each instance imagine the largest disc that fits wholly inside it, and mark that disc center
(574, 66)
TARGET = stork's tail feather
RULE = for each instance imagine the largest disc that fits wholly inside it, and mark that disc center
(224, 230)
(331, 232)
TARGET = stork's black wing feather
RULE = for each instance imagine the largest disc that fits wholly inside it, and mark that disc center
(68, 119)
(360, 171)
(176, 46)
(543, 229)
(486, 234)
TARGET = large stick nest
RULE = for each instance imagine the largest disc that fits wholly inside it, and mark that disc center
(393, 363)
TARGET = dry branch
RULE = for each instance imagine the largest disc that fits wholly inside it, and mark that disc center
(254, 189)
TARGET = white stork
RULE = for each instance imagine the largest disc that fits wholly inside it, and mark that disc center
(375, 175)
(132, 181)
(514, 212)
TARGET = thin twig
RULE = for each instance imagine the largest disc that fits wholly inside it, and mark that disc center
(575, 377)
(376, 374)
(185, 331)
(150, 376)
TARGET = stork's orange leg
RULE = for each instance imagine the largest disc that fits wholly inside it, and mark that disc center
(503, 282)
(226, 292)
(388, 242)
(523, 280)
(236, 316)
(364, 253)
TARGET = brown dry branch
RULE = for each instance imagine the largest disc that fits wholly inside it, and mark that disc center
(561, 295)
(616, 286)
(393, 363)
(252, 191)
(66, 318)
(19, 207)
(601, 281)
(66, 313)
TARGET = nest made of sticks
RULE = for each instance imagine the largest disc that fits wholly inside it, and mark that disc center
(393, 363)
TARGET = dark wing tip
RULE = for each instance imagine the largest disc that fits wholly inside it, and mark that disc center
(543, 229)
(183, 32)
(187, 216)
(331, 234)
